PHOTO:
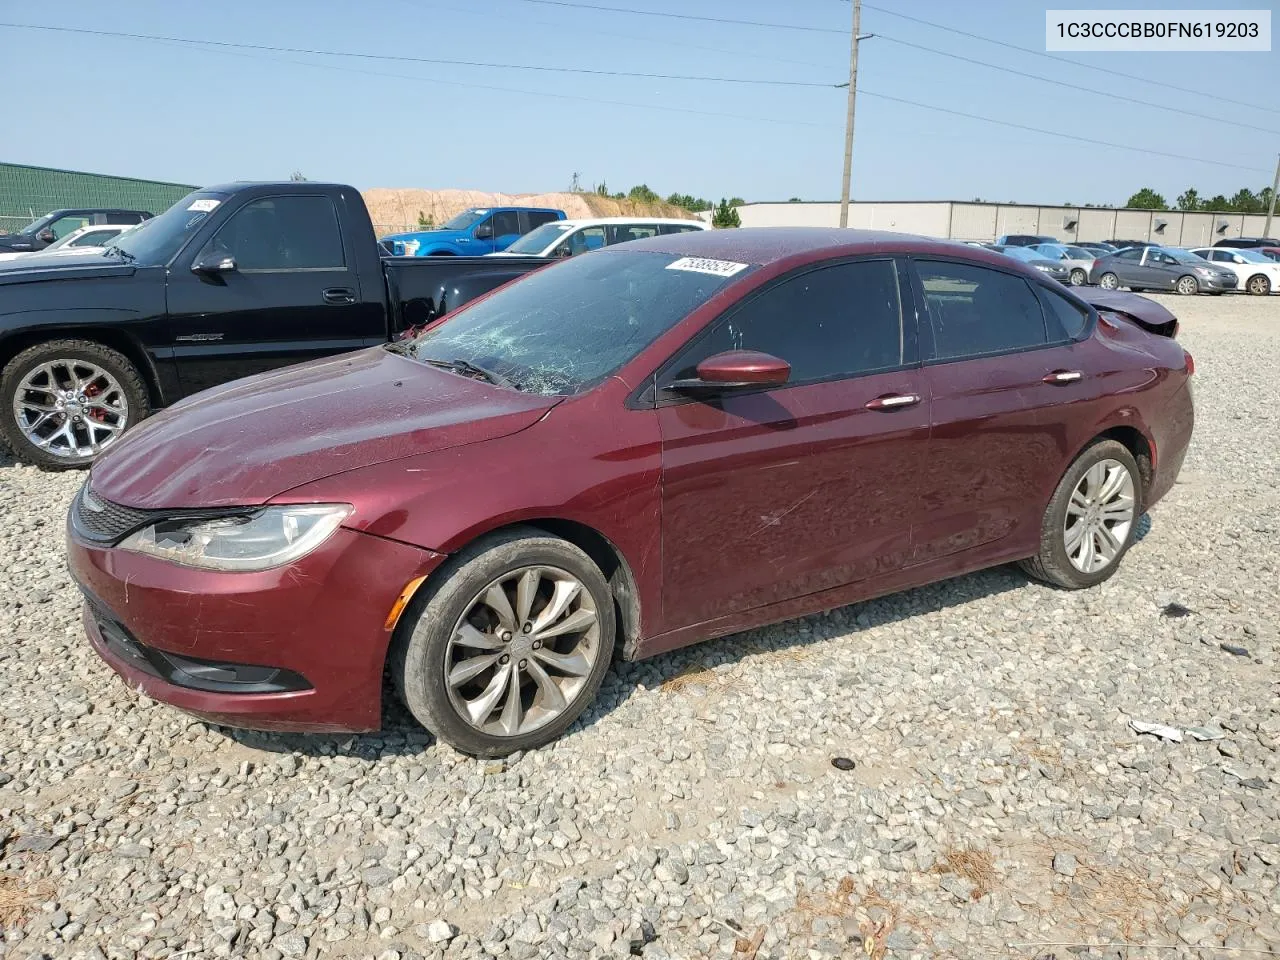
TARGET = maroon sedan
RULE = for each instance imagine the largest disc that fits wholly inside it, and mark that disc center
(623, 453)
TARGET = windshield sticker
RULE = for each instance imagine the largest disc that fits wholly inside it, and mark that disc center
(204, 206)
(480, 212)
(717, 268)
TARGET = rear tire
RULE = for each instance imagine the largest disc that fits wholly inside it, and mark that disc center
(1079, 278)
(1187, 286)
(1109, 281)
(86, 393)
(457, 660)
(1258, 285)
(1093, 505)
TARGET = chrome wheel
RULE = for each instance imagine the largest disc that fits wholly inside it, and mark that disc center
(523, 651)
(71, 409)
(1259, 286)
(1078, 277)
(1187, 286)
(1109, 281)
(1100, 515)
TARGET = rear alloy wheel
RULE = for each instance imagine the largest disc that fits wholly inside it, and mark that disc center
(1078, 277)
(1109, 281)
(509, 646)
(66, 401)
(1089, 523)
(1258, 285)
(1187, 286)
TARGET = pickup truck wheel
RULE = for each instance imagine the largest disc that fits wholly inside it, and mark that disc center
(65, 401)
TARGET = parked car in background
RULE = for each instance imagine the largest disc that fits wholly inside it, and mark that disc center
(1126, 244)
(471, 233)
(230, 281)
(1245, 243)
(1255, 273)
(56, 225)
(1033, 258)
(1271, 253)
(1160, 268)
(568, 238)
(1024, 240)
(1076, 259)
(86, 239)
(670, 440)
(1098, 248)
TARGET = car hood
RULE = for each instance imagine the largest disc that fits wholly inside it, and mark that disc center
(60, 263)
(253, 439)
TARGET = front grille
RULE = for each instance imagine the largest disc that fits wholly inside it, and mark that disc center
(109, 524)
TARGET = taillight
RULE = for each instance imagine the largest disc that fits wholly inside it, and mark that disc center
(1096, 261)
(1191, 363)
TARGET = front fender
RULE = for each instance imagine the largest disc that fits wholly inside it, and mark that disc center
(440, 250)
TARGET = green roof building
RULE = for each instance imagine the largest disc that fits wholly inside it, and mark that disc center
(30, 192)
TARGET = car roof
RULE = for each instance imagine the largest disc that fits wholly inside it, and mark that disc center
(767, 245)
(602, 221)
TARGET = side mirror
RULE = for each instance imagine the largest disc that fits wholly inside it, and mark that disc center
(484, 231)
(46, 236)
(735, 369)
(564, 251)
(214, 264)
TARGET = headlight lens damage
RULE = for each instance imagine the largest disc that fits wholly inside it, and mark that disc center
(258, 541)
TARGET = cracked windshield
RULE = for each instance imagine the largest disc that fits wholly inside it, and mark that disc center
(560, 330)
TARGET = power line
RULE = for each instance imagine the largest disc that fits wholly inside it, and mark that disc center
(1180, 111)
(427, 60)
(1055, 133)
(682, 16)
(1049, 56)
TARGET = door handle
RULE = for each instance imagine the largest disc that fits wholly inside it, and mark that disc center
(1063, 376)
(338, 295)
(893, 401)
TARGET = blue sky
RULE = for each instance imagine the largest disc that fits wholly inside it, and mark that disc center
(189, 114)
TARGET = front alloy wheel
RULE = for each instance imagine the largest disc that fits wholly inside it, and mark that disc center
(523, 651)
(70, 408)
(1187, 286)
(506, 644)
(1259, 285)
(1078, 277)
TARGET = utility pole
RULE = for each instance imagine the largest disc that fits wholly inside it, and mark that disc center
(848, 126)
(1271, 210)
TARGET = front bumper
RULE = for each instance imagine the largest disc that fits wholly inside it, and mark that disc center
(300, 647)
(1218, 284)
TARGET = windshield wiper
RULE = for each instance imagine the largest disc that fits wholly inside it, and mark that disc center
(469, 369)
(403, 348)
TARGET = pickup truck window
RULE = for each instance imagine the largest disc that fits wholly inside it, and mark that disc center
(558, 331)
(465, 219)
(281, 233)
(505, 223)
(158, 240)
(538, 217)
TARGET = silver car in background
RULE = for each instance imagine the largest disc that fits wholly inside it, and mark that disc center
(1077, 260)
(1160, 268)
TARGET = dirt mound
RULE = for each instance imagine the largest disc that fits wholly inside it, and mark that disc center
(395, 210)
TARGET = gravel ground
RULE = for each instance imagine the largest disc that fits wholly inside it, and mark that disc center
(999, 804)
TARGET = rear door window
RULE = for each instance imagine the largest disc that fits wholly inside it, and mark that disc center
(1064, 318)
(624, 232)
(975, 311)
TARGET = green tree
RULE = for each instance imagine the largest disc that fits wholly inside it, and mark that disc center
(1264, 198)
(1147, 199)
(642, 194)
(1246, 201)
(795, 200)
(297, 176)
(725, 216)
(602, 189)
(737, 202)
(1218, 203)
(425, 220)
(1189, 199)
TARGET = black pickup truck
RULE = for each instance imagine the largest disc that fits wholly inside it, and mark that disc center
(230, 281)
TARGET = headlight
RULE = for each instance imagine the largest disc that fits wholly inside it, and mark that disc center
(1205, 272)
(257, 541)
(1044, 268)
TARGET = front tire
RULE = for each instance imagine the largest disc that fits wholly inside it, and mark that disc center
(1109, 281)
(65, 401)
(1079, 278)
(1259, 285)
(1188, 286)
(508, 644)
(1090, 521)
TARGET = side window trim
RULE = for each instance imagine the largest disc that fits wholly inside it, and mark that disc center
(928, 346)
(651, 395)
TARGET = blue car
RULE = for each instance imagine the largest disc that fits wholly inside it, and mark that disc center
(471, 233)
(1033, 257)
